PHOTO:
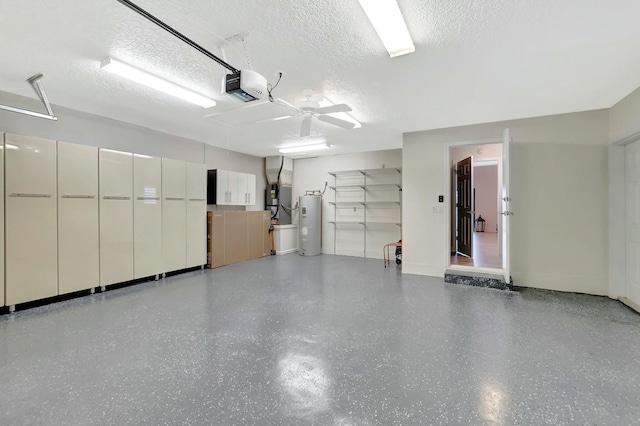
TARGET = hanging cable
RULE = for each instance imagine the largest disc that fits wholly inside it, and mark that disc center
(270, 87)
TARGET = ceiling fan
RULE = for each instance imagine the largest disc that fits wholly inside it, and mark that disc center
(310, 108)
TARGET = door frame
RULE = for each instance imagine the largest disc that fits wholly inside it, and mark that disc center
(617, 220)
(447, 205)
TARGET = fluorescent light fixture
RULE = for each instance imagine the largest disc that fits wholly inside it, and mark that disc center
(304, 148)
(160, 84)
(341, 115)
(387, 20)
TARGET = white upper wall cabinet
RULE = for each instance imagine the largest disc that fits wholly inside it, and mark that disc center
(78, 225)
(232, 188)
(251, 190)
(31, 239)
(116, 217)
(147, 215)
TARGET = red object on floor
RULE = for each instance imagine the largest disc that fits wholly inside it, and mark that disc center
(385, 252)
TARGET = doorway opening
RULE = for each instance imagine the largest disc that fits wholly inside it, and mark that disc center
(476, 184)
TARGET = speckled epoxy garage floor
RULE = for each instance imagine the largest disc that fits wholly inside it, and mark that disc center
(322, 340)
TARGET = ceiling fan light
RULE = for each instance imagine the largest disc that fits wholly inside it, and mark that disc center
(388, 22)
(143, 77)
(304, 148)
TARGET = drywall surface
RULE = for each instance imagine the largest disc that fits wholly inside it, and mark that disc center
(485, 182)
(87, 129)
(624, 128)
(559, 199)
(312, 174)
(624, 117)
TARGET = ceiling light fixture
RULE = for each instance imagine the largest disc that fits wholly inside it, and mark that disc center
(304, 148)
(143, 77)
(387, 20)
(341, 115)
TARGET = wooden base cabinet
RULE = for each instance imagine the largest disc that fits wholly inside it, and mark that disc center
(236, 236)
(215, 239)
(31, 219)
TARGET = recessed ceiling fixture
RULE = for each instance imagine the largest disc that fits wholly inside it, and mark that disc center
(143, 77)
(387, 20)
(304, 148)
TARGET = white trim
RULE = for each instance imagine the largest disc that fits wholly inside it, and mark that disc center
(447, 206)
(630, 303)
(494, 271)
(293, 250)
(629, 139)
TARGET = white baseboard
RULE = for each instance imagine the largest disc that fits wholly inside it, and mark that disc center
(293, 250)
(630, 303)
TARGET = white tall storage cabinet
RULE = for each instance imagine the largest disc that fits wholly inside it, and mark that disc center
(196, 215)
(116, 217)
(2, 148)
(31, 219)
(78, 225)
(147, 215)
(174, 212)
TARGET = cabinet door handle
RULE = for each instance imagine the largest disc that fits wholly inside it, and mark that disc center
(197, 199)
(22, 195)
(148, 198)
(173, 199)
(113, 197)
(88, 197)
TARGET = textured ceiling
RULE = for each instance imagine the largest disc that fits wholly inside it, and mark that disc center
(475, 61)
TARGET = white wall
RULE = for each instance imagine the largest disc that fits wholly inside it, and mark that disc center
(485, 181)
(559, 196)
(87, 129)
(312, 173)
(624, 128)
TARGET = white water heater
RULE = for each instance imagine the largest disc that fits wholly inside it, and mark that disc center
(310, 226)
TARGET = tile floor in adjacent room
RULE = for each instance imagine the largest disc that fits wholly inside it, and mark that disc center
(324, 340)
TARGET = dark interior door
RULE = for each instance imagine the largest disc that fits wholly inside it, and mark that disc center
(465, 207)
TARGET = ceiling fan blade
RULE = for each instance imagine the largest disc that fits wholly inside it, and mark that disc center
(305, 130)
(336, 121)
(287, 104)
(333, 108)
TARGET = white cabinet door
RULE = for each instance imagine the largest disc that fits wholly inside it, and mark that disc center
(234, 200)
(1, 219)
(78, 227)
(174, 212)
(222, 187)
(31, 219)
(196, 215)
(242, 189)
(147, 216)
(251, 190)
(116, 216)
(174, 178)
